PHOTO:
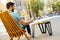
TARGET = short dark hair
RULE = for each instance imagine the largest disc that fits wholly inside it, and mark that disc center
(9, 4)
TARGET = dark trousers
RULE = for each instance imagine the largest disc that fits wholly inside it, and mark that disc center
(28, 29)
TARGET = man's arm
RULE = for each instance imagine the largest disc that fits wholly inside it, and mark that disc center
(23, 23)
(31, 20)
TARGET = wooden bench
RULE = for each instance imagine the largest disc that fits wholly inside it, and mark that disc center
(12, 27)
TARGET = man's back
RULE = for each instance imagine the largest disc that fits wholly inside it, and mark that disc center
(16, 17)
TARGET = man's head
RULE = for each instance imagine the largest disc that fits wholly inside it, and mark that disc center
(10, 6)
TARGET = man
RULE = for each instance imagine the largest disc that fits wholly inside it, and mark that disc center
(17, 18)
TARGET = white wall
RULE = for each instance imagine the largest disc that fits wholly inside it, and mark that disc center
(2, 5)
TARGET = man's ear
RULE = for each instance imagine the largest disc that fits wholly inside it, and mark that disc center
(10, 8)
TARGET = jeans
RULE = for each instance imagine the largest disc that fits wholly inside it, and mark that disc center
(28, 29)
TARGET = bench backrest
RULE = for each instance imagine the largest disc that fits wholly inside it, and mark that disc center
(11, 26)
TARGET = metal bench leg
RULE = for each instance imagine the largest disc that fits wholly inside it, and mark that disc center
(40, 27)
(49, 29)
(45, 27)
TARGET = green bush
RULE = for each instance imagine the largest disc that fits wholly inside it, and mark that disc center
(35, 6)
(56, 5)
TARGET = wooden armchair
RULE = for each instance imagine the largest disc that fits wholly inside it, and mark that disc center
(12, 27)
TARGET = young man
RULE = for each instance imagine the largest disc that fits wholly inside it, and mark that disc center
(17, 18)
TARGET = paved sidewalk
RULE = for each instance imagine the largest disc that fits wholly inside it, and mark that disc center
(38, 35)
